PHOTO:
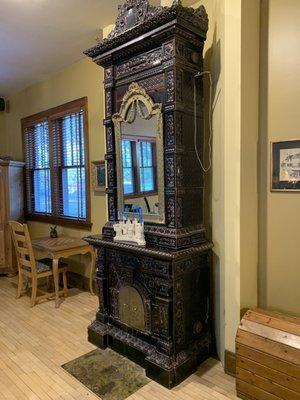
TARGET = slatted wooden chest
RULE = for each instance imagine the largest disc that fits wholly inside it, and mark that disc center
(268, 356)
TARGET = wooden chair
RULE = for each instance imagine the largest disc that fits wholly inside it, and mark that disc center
(31, 268)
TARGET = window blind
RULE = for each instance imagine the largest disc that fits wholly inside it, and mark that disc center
(57, 173)
(69, 162)
(127, 161)
(38, 168)
(145, 162)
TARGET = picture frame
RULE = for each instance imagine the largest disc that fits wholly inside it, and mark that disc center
(99, 176)
(285, 166)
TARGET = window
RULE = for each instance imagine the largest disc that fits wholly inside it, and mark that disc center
(127, 160)
(139, 166)
(57, 175)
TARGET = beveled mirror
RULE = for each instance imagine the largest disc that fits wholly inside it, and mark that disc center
(140, 160)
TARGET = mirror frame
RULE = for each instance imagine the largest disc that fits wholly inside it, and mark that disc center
(135, 94)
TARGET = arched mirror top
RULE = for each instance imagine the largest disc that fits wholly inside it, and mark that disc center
(136, 100)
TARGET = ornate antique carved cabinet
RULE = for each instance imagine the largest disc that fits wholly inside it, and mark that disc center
(154, 300)
(11, 208)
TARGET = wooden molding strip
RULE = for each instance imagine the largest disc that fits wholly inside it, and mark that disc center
(229, 363)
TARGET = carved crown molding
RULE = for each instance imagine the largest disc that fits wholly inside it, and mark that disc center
(132, 13)
(136, 17)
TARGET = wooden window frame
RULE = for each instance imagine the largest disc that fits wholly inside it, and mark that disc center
(135, 166)
(51, 115)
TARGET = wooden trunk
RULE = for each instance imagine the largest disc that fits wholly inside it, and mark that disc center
(11, 208)
(268, 356)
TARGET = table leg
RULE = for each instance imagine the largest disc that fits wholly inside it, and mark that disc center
(92, 270)
(55, 278)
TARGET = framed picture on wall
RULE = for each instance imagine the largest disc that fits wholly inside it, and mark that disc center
(98, 176)
(285, 166)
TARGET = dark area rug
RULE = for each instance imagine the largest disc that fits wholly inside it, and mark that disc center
(106, 373)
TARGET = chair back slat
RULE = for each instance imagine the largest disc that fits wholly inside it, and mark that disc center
(25, 262)
(23, 250)
(23, 246)
(20, 238)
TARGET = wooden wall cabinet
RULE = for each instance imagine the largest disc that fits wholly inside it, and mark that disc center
(11, 208)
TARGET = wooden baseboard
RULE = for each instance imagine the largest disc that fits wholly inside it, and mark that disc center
(229, 361)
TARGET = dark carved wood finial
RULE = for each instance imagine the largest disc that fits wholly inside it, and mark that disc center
(136, 17)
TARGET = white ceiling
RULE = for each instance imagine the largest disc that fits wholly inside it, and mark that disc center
(39, 37)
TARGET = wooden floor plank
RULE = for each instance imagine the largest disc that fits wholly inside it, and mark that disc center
(35, 342)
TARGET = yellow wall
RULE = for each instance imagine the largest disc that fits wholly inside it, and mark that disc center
(250, 35)
(214, 179)
(231, 56)
(231, 53)
(84, 78)
(280, 120)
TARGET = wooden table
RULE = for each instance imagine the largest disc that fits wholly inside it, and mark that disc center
(64, 247)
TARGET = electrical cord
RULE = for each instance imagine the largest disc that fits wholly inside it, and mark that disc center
(209, 121)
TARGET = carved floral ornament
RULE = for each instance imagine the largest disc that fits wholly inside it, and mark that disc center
(131, 104)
